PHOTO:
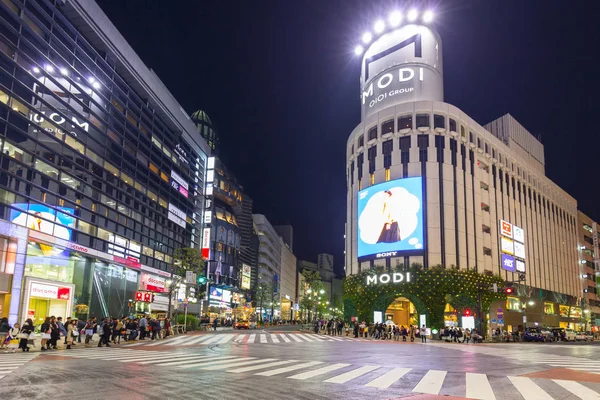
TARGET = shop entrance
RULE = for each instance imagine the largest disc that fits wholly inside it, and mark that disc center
(40, 308)
(43, 298)
(402, 312)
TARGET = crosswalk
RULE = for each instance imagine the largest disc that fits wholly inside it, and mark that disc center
(11, 362)
(516, 353)
(243, 338)
(381, 377)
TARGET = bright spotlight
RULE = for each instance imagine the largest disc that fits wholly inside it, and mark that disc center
(64, 71)
(96, 85)
(366, 38)
(358, 50)
(49, 68)
(379, 26)
(412, 15)
(36, 70)
(395, 18)
(428, 16)
(91, 79)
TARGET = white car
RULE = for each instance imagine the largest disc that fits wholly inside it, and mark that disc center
(570, 335)
(583, 336)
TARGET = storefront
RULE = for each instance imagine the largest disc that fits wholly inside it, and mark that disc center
(99, 284)
(156, 282)
(13, 243)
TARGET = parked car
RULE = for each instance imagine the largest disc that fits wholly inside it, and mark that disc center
(584, 336)
(533, 335)
(570, 335)
(546, 335)
(242, 325)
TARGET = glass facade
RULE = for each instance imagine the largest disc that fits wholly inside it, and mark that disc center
(84, 156)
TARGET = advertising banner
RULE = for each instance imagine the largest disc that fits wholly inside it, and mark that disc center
(506, 229)
(507, 246)
(508, 262)
(50, 291)
(390, 219)
(153, 283)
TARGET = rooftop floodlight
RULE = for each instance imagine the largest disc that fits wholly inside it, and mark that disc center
(395, 18)
(96, 85)
(91, 79)
(428, 16)
(64, 71)
(36, 70)
(412, 15)
(366, 37)
(49, 68)
(379, 26)
(358, 50)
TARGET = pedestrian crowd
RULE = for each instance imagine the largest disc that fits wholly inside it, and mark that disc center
(108, 330)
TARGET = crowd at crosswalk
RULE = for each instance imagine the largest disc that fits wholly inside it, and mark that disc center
(516, 353)
(409, 380)
(11, 362)
(244, 338)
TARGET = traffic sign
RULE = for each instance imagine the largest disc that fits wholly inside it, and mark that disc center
(501, 321)
(493, 320)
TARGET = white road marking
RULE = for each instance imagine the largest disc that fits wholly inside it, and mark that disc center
(213, 340)
(289, 369)
(431, 383)
(274, 339)
(285, 338)
(222, 360)
(251, 338)
(192, 360)
(263, 338)
(478, 387)
(263, 366)
(317, 372)
(226, 339)
(238, 363)
(307, 338)
(295, 337)
(583, 392)
(387, 379)
(174, 358)
(355, 373)
(528, 389)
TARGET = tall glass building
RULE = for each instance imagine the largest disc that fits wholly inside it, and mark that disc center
(101, 174)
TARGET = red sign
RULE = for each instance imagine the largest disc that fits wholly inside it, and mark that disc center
(506, 229)
(146, 297)
(130, 263)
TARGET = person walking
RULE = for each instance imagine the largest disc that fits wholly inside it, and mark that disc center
(116, 331)
(4, 332)
(404, 333)
(54, 334)
(132, 328)
(167, 327)
(24, 332)
(45, 333)
(341, 324)
(71, 328)
(423, 334)
(143, 324)
(90, 328)
(467, 335)
(412, 333)
(155, 324)
(13, 339)
(62, 329)
(356, 328)
(80, 329)
(104, 332)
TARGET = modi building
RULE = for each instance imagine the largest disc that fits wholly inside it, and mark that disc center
(102, 173)
(429, 187)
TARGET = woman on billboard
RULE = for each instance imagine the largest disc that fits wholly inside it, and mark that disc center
(390, 232)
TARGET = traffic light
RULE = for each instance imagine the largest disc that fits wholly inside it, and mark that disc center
(467, 313)
(509, 290)
(201, 279)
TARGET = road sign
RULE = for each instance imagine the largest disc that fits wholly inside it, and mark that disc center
(500, 310)
(493, 320)
(501, 322)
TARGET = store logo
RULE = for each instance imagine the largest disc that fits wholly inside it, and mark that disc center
(506, 229)
(59, 120)
(508, 263)
(387, 254)
(396, 277)
(404, 75)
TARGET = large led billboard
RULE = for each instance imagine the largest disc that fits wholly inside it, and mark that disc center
(390, 219)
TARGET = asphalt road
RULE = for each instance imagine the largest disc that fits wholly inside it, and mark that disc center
(282, 363)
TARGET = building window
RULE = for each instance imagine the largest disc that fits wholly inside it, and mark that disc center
(386, 149)
(487, 149)
(463, 133)
(439, 121)
(359, 185)
(422, 120)
(373, 133)
(387, 127)
(479, 143)
(387, 175)
(352, 149)
(361, 141)
(111, 168)
(452, 123)
(405, 122)
(372, 179)
(487, 251)
(153, 168)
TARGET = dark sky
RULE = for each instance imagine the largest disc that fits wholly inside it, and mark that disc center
(280, 82)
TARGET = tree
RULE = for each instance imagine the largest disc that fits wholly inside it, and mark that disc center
(186, 259)
(312, 301)
(264, 296)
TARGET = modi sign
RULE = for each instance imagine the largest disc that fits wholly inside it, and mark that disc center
(395, 277)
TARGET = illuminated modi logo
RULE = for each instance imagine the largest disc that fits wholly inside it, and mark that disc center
(390, 216)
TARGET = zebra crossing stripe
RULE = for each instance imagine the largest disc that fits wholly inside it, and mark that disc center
(335, 338)
(221, 360)
(387, 379)
(172, 358)
(274, 339)
(285, 338)
(240, 338)
(263, 366)
(583, 392)
(191, 360)
(317, 372)
(318, 338)
(355, 373)
(295, 337)
(431, 383)
(263, 338)
(251, 338)
(306, 337)
(236, 363)
(289, 369)
(226, 339)
(478, 387)
(528, 389)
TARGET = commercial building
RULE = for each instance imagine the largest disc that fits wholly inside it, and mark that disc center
(428, 186)
(588, 236)
(102, 173)
(249, 245)
(276, 281)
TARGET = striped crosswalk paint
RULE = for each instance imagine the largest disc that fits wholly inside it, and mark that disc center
(285, 338)
(355, 373)
(251, 338)
(235, 363)
(213, 340)
(431, 383)
(289, 369)
(478, 387)
(222, 360)
(263, 338)
(296, 338)
(529, 389)
(226, 339)
(583, 392)
(14, 362)
(193, 360)
(262, 366)
(274, 338)
(181, 357)
(308, 338)
(387, 379)
(317, 372)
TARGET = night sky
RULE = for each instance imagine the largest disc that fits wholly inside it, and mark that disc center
(280, 82)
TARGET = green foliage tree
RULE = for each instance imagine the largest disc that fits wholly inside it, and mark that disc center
(314, 291)
(264, 296)
(189, 259)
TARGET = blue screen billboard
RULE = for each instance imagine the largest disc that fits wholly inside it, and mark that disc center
(390, 219)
